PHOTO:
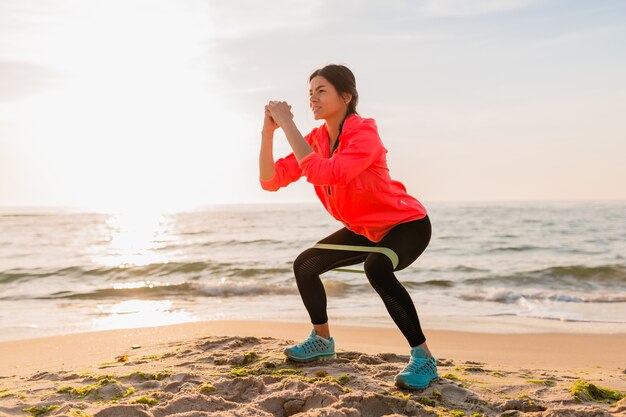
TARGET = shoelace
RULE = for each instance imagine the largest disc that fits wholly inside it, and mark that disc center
(422, 366)
(311, 343)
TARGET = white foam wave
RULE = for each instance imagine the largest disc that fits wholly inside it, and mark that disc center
(507, 296)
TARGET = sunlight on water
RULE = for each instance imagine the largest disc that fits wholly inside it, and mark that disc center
(134, 239)
(131, 285)
(138, 313)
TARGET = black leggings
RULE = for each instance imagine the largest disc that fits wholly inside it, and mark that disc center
(408, 240)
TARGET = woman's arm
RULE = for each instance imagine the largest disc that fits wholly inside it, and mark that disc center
(274, 175)
(266, 156)
(300, 146)
(362, 148)
(281, 113)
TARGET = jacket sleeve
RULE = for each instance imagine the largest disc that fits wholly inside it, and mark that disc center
(287, 171)
(363, 147)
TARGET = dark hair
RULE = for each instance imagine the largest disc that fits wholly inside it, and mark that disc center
(343, 80)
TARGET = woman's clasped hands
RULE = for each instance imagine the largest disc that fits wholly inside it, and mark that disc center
(279, 112)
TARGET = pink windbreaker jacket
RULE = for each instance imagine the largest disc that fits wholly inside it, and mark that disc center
(354, 184)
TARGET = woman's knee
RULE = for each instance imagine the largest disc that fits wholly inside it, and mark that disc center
(304, 264)
(377, 266)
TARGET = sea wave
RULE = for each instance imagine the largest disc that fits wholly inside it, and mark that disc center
(150, 290)
(237, 242)
(143, 271)
(441, 283)
(571, 276)
(507, 296)
(458, 268)
(520, 248)
(554, 316)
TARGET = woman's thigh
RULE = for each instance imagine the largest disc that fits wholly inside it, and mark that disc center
(408, 240)
(320, 260)
(347, 237)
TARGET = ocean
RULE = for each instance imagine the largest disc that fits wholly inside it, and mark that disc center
(494, 267)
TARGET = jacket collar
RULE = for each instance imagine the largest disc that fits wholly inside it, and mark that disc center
(350, 121)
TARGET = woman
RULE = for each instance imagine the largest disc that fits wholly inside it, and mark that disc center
(345, 161)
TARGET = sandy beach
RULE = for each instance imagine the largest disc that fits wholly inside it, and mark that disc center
(237, 368)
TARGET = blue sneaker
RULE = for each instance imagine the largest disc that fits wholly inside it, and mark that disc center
(314, 347)
(420, 371)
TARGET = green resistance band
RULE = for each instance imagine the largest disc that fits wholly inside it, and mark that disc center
(385, 251)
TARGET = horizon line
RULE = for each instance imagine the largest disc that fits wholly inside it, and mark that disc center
(195, 207)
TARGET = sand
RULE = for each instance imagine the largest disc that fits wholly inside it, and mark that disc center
(237, 368)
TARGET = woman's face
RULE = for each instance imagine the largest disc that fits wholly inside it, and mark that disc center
(324, 100)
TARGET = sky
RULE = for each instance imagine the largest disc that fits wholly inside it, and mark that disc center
(130, 103)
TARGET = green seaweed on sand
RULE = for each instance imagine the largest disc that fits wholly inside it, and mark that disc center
(40, 411)
(155, 376)
(4, 392)
(258, 367)
(263, 370)
(454, 377)
(529, 401)
(586, 391)
(398, 394)
(341, 380)
(465, 369)
(206, 388)
(78, 413)
(405, 397)
(449, 413)
(436, 395)
(250, 357)
(91, 375)
(82, 392)
(426, 401)
(153, 357)
(146, 400)
(546, 382)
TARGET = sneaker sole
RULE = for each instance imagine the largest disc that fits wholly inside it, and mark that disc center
(401, 384)
(321, 358)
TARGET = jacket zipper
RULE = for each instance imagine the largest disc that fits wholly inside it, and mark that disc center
(330, 198)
